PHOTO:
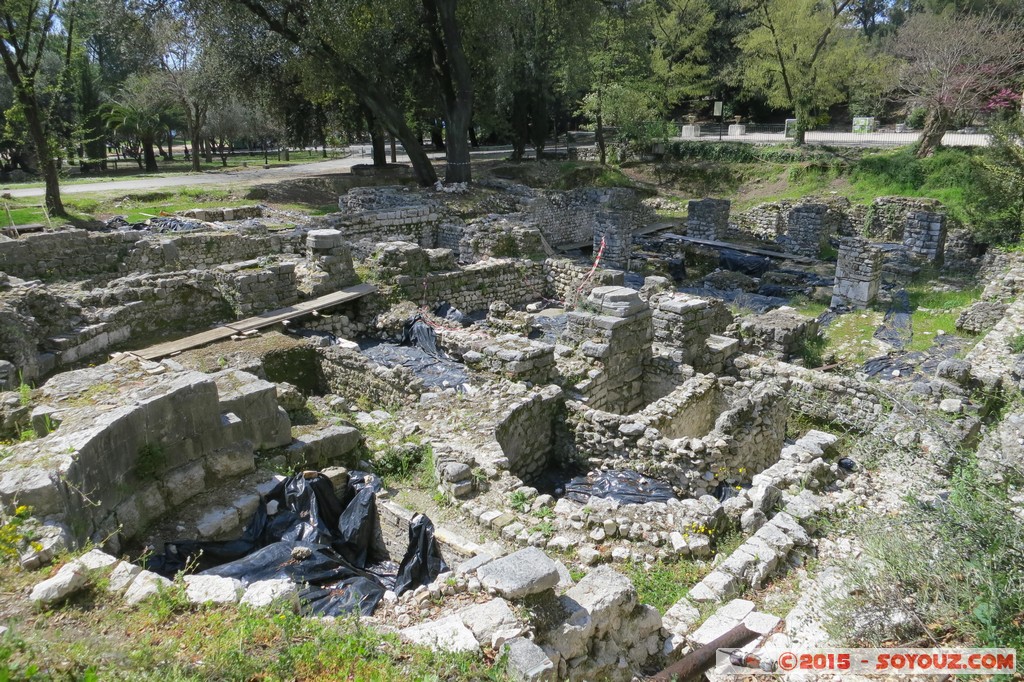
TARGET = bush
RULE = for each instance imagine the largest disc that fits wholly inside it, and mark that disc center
(916, 117)
(956, 563)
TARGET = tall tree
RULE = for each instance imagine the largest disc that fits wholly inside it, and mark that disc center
(953, 64)
(25, 28)
(799, 54)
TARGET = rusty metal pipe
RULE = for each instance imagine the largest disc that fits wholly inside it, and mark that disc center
(691, 666)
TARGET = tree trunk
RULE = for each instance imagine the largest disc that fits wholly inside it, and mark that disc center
(935, 126)
(436, 136)
(378, 145)
(193, 132)
(800, 131)
(452, 72)
(473, 142)
(208, 148)
(148, 153)
(599, 134)
(170, 145)
(47, 167)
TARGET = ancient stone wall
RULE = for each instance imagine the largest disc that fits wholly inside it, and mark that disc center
(746, 438)
(251, 289)
(416, 223)
(858, 273)
(782, 333)
(66, 254)
(474, 287)
(807, 229)
(613, 333)
(567, 280)
(345, 371)
(685, 322)
(688, 412)
(571, 217)
(765, 221)
(107, 473)
(886, 218)
(708, 219)
(493, 236)
(827, 398)
(510, 355)
(529, 432)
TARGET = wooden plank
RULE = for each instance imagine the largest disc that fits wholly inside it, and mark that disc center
(302, 308)
(162, 350)
(658, 227)
(267, 319)
(741, 247)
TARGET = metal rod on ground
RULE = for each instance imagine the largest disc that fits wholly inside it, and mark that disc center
(691, 666)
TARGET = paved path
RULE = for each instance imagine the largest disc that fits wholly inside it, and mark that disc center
(242, 176)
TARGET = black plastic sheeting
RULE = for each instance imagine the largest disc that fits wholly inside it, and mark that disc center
(418, 333)
(896, 329)
(915, 365)
(341, 565)
(435, 371)
(743, 299)
(628, 487)
(748, 264)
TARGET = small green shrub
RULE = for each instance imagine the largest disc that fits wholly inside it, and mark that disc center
(1017, 344)
(519, 501)
(663, 584)
(13, 536)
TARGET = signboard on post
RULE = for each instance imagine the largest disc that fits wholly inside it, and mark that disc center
(721, 119)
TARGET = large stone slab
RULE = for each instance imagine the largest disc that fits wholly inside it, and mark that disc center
(527, 662)
(528, 571)
(490, 620)
(606, 594)
(212, 589)
(446, 634)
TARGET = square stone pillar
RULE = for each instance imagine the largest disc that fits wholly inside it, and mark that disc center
(708, 219)
(925, 235)
(858, 273)
(808, 229)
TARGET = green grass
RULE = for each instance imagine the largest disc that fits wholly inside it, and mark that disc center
(168, 640)
(663, 584)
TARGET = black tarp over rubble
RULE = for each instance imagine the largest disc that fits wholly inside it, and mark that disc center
(624, 486)
(346, 567)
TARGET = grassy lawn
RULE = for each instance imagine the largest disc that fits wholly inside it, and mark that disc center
(138, 206)
(127, 169)
(95, 637)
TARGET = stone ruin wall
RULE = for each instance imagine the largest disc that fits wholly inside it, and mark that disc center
(71, 254)
(120, 469)
(529, 435)
(858, 273)
(825, 398)
(684, 323)
(745, 439)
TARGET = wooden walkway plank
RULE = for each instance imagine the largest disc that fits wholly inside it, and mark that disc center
(249, 324)
(741, 247)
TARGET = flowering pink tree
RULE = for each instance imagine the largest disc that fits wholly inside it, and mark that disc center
(953, 64)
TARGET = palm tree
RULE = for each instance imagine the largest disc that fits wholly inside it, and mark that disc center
(140, 116)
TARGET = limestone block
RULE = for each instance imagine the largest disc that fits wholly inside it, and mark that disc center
(445, 634)
(606, 594)
(122, 575)
(324, 239)
(218, 521)
(681, 617)
(528, 571)
(145, 585)
(213, 589)
(71, 578)
(334, 443)
(266, 593)
(489, 619)
(527, 662)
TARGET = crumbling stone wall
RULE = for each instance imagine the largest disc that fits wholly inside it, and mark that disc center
(688, 412)
(782, 333)
(509, 355)
(807, 229)
(827, 398)
(567, 280)
(66, 254)
(708, 219)
(529, 432)
(886, 218)
(497, 236)
(746, 438)
(251, 289)
(110, 472)
(765, 221)
(476, 286)
(384, 219)
(345, 371)
(858, 273)
(570, 217)
(685, 322)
